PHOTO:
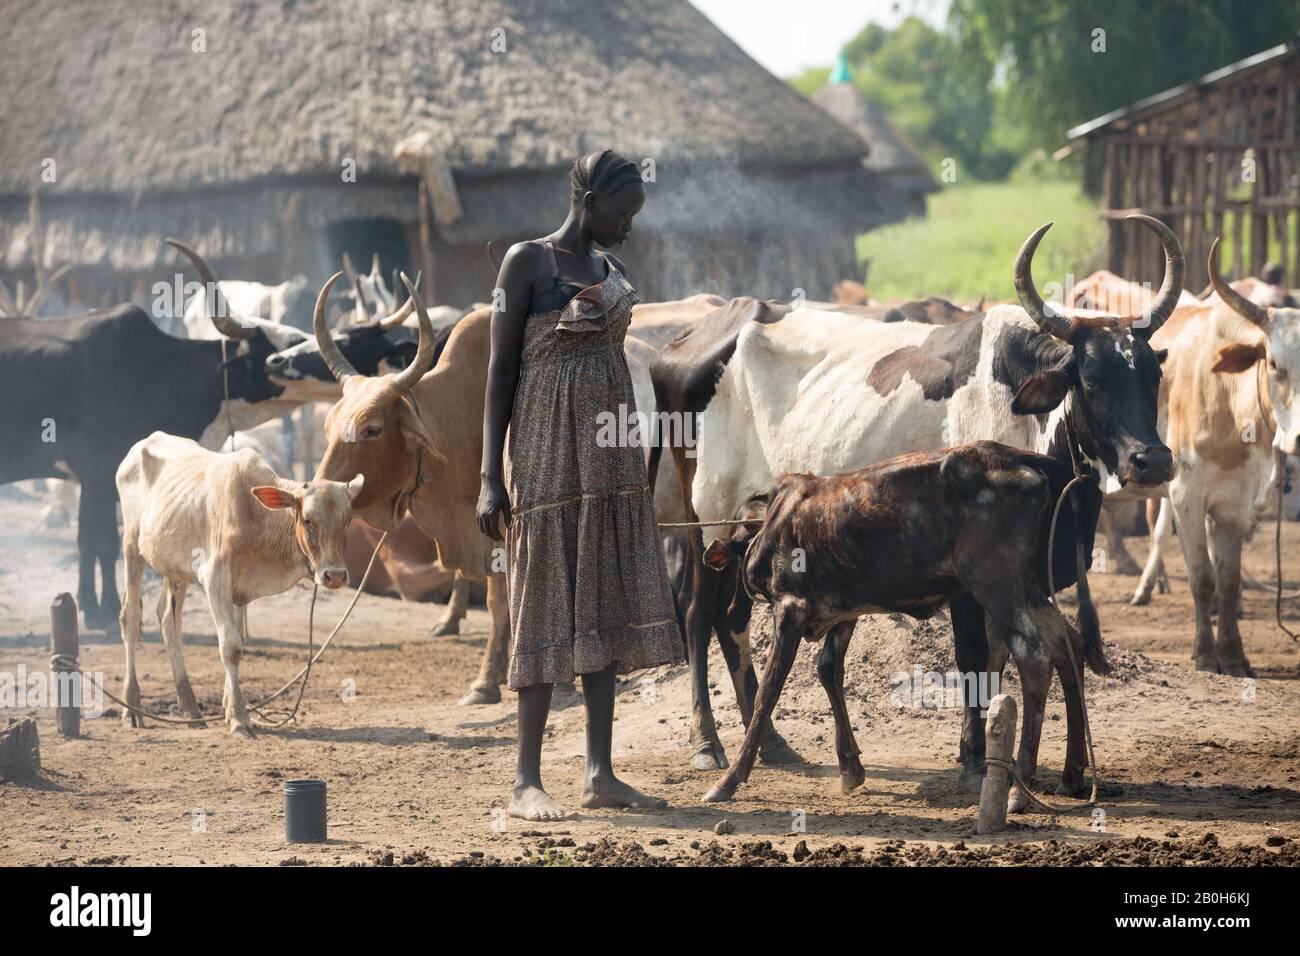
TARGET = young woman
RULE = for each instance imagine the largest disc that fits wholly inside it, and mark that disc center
(588, 591)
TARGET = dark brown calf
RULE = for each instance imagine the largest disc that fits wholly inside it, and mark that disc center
(967, 526)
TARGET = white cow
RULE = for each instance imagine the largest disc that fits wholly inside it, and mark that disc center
(229, 523)
(826, 393)
(288, 303)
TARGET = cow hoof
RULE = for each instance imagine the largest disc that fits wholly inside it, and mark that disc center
(719, 793)
(710, 756)
(242, 731)
(481, 694)
(1127, 566)
(851, 779)
(776, 751)
(445, 627)
(972, 781)
(1018, 800)
(1140, 598)
(1238, 668)
(1071, 789)
(1208, 664)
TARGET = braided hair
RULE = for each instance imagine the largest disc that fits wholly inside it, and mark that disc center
(604, 172)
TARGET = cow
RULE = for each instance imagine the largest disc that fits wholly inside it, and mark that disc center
(376, 347)
(966, 528)
(288, 303)
(1106, 292)
(201, 517)
(415, 438)
(1231, 417)
(79, 391)
(446, 405)
(817, 391)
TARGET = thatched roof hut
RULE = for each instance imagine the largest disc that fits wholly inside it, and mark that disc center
(892, 154)
(273, 136)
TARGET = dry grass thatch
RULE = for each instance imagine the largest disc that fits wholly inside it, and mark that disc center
(240, 148)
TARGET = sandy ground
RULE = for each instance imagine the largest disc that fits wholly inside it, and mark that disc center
(1199, 768)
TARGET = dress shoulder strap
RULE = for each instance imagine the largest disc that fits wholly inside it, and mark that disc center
(550, 254)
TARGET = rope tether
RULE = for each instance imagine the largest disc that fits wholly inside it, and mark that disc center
(304, 673)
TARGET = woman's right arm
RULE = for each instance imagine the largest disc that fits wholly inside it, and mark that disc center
(511, 298)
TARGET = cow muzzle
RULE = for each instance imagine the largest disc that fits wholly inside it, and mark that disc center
(1153, 465)
(332, 578)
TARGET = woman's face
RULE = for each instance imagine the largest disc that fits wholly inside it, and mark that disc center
(609, 218)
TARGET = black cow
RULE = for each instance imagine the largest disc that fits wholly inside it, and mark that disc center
(966, 528)
(78, 392)
(373, 348)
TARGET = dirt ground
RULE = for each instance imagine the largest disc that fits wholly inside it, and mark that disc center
(1198, 768)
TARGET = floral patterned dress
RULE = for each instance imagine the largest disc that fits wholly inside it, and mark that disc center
(586, 576)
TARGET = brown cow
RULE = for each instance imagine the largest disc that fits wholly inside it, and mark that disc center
(966, 527)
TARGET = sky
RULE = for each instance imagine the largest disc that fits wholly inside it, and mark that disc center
(787, 36)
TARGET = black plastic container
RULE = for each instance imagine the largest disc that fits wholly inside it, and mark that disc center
(304, 811)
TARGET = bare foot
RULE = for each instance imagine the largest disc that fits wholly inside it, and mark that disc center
(534, 803)
(612, 792)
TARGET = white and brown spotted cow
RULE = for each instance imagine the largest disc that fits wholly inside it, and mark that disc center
(822, 392)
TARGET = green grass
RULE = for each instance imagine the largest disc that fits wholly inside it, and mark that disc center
(966, 245)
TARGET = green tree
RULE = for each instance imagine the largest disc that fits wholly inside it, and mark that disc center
(933, 88)
(1059, 70)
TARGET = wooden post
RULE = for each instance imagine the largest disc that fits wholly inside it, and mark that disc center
(999, 741)
(20, 749)
(64, 649)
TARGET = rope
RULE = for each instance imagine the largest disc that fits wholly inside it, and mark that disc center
(1277, 545)
(748, 522)
(304, 673)
(225, 388)
(1069, 647)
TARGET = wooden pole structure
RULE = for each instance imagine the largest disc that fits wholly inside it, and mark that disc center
(999, 741)
(64, 650)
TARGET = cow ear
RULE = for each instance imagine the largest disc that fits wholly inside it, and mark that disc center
(1044, 390)
(717, 555)
(415, 433)
(354, 487)
(1161, 355)
(1236, 357)
(274, 498)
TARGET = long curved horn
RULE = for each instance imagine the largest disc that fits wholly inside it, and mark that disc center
(1172, 285)
(1043, 314)
(389, 322)
(215, 307)
(339, 367)
(423, 361)
(1234, 299)
(360, 315)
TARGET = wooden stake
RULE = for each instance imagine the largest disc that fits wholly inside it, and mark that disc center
(20, 749)
(64, 650)
(999, 741)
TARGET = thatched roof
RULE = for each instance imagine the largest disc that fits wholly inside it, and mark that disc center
(229, 145)
(113, 91)
(892, 152)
